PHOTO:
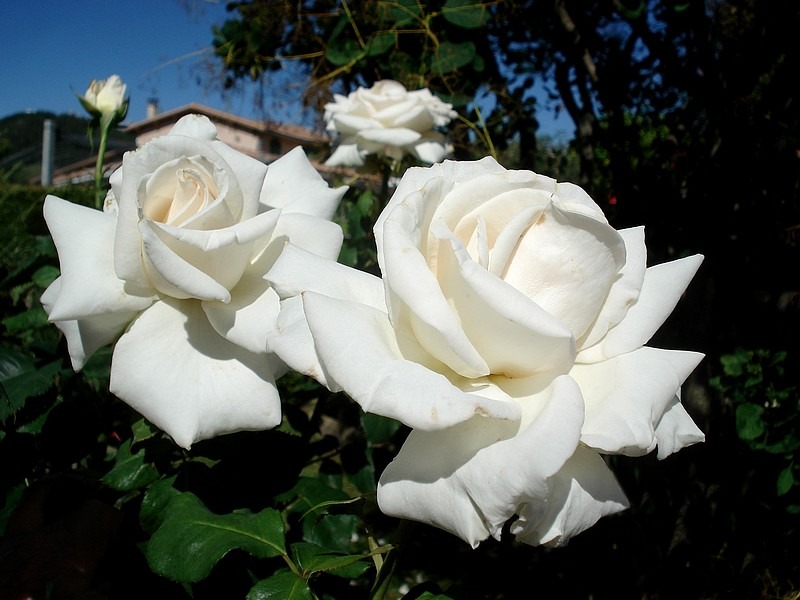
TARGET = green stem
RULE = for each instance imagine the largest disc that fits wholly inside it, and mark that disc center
(99, 191)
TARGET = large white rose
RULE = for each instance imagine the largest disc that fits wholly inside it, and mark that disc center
(508, 331)
(387, 120)
(175, 264)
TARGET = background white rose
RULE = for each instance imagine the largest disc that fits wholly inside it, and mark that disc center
(509, 332)
(175, 264)
(387, 120)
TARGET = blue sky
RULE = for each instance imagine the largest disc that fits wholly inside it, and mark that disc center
(52, 49)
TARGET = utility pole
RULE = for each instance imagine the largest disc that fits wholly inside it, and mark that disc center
(48, 151)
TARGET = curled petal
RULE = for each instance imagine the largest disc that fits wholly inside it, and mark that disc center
(174, 369)
(471, 478)
(346, 155)
(676, 430)
(318, 236)
(294, 185)
(582, 492)
(627, 396)
(88, 285)
(354, 339)
(87, 335)
(662, 287)
(514, 335)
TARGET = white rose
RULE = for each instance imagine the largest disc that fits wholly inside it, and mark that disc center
(176, 264)
(387, 120)
(105, 98)
(508, 331)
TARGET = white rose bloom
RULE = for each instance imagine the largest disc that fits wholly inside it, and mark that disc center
(508, 331)
(175, 265)
(105, 97)
(387, 120)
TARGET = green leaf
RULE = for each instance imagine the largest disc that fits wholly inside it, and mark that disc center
(332, 532)
(309, 494)
(143, 430)
(343, 51)
(468, 14)
(403, 12)
(378, 429)
(748, 421)
(33, 318)
(191, 539)
(785, 481)
(283, 585)
(45, 276)
(380, 42)
(20, 379)
(155, 501)
(130, 471)
(451, 56)
(314, 559)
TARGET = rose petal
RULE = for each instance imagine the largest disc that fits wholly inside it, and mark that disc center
(375, 139)
(512, 334)
(351, 123)
(89, 286)
(415, 297)
(354, 339)
(471, 478)
(174, 369)
(86, 336)
(297, 270)
(624, 291)
(346, 155)
(566, 263)
(662, 287)
(195, 126)
(676, 430)
(627, 396)
(184, 263)
(318, 236)
(582, 492)
(294, 185)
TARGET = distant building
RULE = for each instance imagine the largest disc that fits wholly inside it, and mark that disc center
(260, 139)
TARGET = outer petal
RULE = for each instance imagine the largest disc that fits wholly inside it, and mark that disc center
(86, 336)
(624, 291)
(627, 396)
(296, 271)
(346, 155)
(174, 369)
(375, 139)
(321, 237)
(662, 288)
(676, 430)
(360, 351)
(583, 491)
(88, 285)
(294, 185)
(471, 478)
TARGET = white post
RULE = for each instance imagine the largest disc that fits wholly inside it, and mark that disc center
(48, 151)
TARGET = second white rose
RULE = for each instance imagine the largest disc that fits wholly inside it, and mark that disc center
(509, 332)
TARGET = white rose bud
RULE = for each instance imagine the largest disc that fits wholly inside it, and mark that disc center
(105, 99)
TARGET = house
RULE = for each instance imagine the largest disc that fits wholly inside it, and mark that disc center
(262, 140)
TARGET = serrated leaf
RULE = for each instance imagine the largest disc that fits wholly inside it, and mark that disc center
(283, 585)
(749, 425)
(33, 318)
(309, 493)
(468, 14)
(142, 430)
(191, 539)
(314, 559)
(130, 471)
(451, 56)
(332, 532)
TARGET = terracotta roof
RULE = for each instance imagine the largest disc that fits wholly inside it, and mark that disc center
(292, 132)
